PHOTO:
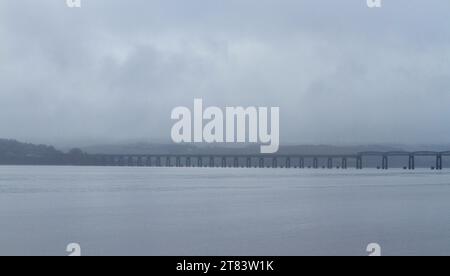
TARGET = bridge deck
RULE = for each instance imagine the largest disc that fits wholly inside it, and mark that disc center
(262, 160)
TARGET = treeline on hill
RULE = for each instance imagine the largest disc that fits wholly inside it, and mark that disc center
(13, 152)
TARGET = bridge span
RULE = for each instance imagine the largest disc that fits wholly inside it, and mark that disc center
(315, 161)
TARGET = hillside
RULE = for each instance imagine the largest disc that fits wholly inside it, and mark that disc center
(13, 152)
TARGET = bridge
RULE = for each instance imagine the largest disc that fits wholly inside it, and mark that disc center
(266, 161)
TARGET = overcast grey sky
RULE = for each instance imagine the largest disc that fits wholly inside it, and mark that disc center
(113, 70)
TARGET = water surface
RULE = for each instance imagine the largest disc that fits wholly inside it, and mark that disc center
(169, 211)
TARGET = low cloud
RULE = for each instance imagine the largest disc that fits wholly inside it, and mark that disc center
(113, 70)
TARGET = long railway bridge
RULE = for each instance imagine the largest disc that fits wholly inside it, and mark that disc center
(315, 161)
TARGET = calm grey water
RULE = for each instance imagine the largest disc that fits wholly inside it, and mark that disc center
(152, 211)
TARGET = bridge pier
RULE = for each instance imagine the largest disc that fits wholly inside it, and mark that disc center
(188, 162)
(411, 163)
(168, 161)
(212, 162)
(288, 163)
(359, 162)
(302, 163)
(249, 162)
(439, 162)
(315, 163)
(236, 162)
(261, 163)
(330, 163)
(224, 162)
(344, 163)
(274, 162)
(200, 162)
(385, 162)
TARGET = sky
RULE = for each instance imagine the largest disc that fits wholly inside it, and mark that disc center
(113, 70)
